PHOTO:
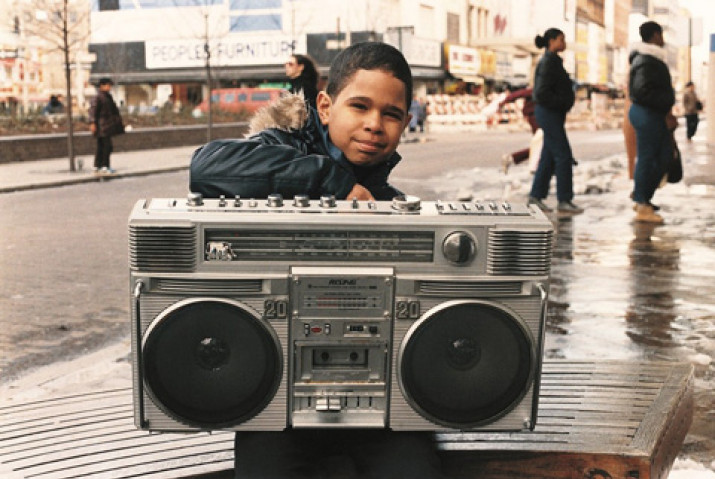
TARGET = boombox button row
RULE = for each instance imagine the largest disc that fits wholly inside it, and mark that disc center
(328, 404)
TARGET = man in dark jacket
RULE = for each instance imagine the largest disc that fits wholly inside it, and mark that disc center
(105, 122)
(652, 95)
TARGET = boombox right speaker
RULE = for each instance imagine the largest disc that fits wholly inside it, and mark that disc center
(468, 364)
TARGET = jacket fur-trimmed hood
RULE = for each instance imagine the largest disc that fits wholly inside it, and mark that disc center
(642, 48)
(289, 112)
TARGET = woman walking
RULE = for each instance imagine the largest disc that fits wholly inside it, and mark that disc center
(554, 97)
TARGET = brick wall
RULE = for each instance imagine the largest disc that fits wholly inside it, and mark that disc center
(37, 147)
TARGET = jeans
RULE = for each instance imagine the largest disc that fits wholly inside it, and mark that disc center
(655, 149)
(556, 157)
(104, 149)
(692, 121)
(336, 453)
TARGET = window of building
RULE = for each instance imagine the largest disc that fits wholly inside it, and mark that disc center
(453, 28)
(254, 4)
(248, 23)
(426, 18)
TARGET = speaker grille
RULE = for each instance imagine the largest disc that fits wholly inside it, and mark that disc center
(466, 364)
(469, 288)
(211, 363)
(519, 252)
(162, 249)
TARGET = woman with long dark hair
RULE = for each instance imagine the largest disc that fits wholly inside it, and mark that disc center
(303, 76)
(554, 96)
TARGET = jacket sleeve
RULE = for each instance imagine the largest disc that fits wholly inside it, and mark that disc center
(376, 182)
(253, 168)
(94, 109)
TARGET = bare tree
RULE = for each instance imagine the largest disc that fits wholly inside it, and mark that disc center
(63, 25)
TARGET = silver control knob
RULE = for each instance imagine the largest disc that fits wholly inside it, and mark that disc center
(406, 203)
(301, 201)
(195, 199)
(275, 200)
(459, 247)
(327, 201)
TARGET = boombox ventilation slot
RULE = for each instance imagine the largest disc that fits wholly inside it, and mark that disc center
(162, 249)
(519, 252)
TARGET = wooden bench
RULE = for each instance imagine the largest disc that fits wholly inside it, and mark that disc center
(596, 420)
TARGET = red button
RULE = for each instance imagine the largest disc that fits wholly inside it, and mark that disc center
(316, 329)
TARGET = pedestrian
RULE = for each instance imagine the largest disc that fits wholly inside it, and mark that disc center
(691, 106)
(347, 148)
(105, 122)
(415, 110)
(554, 96)
(652, 98)
(54, 106)
(422, 119)
(528, 110)
(303, 77)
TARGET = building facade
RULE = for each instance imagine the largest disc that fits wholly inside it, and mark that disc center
(153, 48)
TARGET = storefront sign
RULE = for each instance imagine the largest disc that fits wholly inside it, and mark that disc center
(464, 61)
(233, 50)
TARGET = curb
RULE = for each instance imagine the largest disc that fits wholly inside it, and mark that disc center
(89, 179)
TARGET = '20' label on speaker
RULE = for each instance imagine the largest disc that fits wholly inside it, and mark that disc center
(275, 309)
(407, 309)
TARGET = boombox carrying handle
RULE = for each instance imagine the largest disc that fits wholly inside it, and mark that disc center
(544, 294)
(138, 287)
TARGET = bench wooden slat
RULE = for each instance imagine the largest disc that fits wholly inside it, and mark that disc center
(624, 418)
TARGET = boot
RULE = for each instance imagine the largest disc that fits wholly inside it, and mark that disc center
(646, 214)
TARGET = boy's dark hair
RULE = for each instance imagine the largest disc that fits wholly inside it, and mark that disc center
(105, 81)
(542, 41)
(368, 56)
(648, 29)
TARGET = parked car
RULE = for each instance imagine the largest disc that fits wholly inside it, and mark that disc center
(237, 99)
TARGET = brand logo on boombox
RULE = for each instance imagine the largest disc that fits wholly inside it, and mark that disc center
(406, 315)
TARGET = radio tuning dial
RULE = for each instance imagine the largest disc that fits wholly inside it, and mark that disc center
(275, 200)
(406, 203)
(459, 247)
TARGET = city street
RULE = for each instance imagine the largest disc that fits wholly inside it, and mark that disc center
(619, 290)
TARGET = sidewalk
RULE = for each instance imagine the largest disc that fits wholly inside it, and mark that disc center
(687, 207)
(29, 175)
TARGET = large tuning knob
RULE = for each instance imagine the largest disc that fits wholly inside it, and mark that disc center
(459, 247)
(406, 203)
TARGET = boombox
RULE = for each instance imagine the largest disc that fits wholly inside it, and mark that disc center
(271, 314)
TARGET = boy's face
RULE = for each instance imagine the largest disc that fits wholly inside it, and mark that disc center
(366, 119)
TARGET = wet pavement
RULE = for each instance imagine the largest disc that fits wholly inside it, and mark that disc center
(620, 290)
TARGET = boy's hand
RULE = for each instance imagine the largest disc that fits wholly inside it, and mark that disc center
(360, 192)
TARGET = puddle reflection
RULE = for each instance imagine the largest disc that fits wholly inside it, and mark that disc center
(654, 274)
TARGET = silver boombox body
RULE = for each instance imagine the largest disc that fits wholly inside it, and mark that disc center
(268, 314)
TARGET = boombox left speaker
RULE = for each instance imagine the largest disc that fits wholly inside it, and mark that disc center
(205, 359)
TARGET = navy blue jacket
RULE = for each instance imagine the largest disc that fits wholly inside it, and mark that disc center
(649, 82)
(553, 88)
(285, 161)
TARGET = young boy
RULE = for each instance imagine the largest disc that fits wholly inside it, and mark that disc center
(346, 148)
